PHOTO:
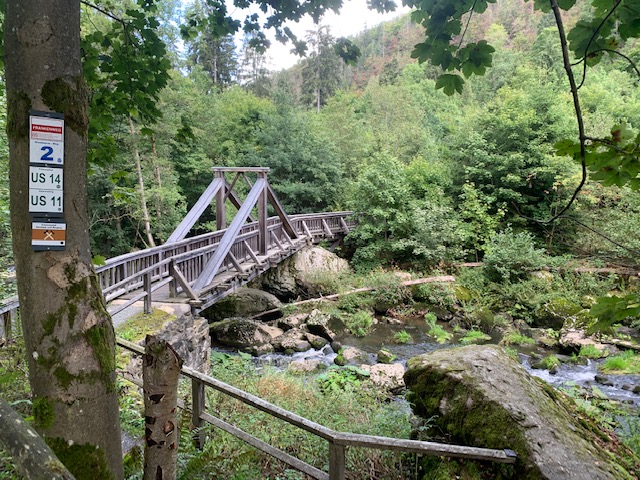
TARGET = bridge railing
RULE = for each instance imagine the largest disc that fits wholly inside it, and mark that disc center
(338, 442)
(152, 268)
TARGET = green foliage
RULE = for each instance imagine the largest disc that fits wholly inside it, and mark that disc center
(511, 256)
(352, 406)
(339, 379)
(626, 363)
(515, 338)
(474, 336)
(591, 351)
(440, 334)
(550, 362)
(402, 337)
(359, 323)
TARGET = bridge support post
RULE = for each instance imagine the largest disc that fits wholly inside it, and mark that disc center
(263, 241)
(221, 195)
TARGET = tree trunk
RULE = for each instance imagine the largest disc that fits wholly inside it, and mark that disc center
(161, 374)
(143, 198)
(68, 333)
(32, 457)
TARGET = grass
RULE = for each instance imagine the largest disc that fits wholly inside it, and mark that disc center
(474, 336)
(352, 406)
(626, 363)
(440, 334)
(403, 337)
(592, 352)
(515, 338)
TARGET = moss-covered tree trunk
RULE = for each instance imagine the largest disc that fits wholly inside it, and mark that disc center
(68, 333)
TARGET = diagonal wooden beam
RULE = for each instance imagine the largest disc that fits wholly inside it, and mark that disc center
(196, 211)
(228, 239)
(235, 199)
(277, 206)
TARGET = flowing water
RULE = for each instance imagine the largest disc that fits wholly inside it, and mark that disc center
(616, 387)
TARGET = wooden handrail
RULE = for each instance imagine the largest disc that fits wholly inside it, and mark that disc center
(338, 441)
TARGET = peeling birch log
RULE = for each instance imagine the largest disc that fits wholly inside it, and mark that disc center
(160, 372)
(31, 455)
(419, 281)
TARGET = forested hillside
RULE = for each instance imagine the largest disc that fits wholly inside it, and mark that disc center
(433, 177)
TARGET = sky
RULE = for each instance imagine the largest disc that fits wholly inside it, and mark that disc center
(354, 17)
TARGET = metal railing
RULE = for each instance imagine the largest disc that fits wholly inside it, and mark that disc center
(337, 441)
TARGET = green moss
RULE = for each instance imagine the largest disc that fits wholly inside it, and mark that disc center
(60, 96)
(101, 339)
(140, 325)
(64, 377)
(83, 461)
(49, 324)
(18, 106)
(43, 413)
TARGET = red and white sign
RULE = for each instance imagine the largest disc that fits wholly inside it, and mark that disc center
(46, 139)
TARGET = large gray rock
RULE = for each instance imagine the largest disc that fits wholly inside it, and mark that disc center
(243, 332)
(299, 274)
(387, 377)
(318, 323)
(246, 302)
(482, 397)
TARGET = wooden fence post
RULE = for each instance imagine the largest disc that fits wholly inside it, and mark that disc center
(146, 280)
(337, 468)
(197, 407)
(160, 374)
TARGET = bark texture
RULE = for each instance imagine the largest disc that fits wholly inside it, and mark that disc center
(31, 455)
(160, 374)
(67, 330)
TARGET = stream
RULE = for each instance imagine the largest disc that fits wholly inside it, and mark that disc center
(616, 387)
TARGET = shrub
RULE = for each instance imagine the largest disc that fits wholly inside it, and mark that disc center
(511, 256)
(403, 337)
(436, 294)
(359, 323)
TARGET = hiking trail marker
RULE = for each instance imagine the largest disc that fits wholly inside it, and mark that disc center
(46, 180)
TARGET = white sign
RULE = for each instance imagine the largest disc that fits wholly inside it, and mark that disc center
(44, 178)
(45, 201)
(46, 140)
(48, 236)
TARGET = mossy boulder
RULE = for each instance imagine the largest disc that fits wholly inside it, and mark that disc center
(554, 313)
(246, 302)
(243, 332)
(482, 397)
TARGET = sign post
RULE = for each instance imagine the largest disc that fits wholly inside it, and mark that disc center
(46, 181)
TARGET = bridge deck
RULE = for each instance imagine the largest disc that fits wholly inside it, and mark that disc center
(167, 274)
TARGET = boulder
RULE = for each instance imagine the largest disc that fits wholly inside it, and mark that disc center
(292, 321)
(246, 302)
(298, 274)
(482, 397)
(292, 341)
(316, 341)
(318, 324)
(387, 377)
(554, 313)
(351, 356)
(307, 365)
(242, 332)
(385, 356)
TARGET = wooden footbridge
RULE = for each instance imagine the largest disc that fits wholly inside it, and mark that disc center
(203, 269)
